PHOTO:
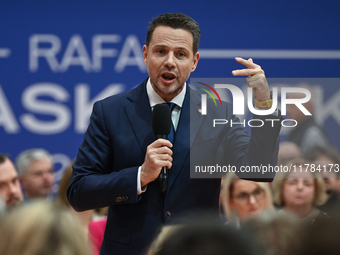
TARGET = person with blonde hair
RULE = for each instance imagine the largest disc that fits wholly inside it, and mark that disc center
(242, 199)
(299, 191)
(85, 216)
(94, 228)
(162, 237)
(42, 228)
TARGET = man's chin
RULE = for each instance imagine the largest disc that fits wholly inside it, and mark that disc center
(45, 194)
(13, 204)
(174, 89)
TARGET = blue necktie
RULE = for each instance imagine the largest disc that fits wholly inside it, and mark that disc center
(171, 136)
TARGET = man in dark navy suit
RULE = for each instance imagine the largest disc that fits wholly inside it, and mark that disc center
(119, 160)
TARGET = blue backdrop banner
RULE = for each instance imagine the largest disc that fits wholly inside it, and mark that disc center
(58, 57)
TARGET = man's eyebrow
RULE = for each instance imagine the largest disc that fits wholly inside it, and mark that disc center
(160, 45)
(165, 46)
(183, 48)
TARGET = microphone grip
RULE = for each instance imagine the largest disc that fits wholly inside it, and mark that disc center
(161, 136)
(163, 179)
(163, 176)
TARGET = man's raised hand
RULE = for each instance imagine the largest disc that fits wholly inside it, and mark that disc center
(256, 78)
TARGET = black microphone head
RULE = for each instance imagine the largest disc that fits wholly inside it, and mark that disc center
(161, 119)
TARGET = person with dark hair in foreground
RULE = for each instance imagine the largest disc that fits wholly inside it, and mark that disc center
(321, 238)
(273, 233)
(120, 159)
(205, 237)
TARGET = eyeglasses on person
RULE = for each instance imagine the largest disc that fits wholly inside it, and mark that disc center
(244, 197)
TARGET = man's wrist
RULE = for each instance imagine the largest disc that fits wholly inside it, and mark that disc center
(264, 104)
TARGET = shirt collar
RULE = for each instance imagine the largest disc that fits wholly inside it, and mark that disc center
(154, 98)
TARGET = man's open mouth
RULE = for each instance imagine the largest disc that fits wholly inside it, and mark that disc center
(168, 76)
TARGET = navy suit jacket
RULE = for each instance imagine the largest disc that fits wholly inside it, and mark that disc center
(114, 146)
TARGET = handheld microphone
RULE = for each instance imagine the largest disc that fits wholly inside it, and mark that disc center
(161, 126)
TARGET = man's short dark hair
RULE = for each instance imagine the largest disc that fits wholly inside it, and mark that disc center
(176, 21)
(3, 158)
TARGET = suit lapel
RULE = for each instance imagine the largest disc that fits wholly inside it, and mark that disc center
(139, 115)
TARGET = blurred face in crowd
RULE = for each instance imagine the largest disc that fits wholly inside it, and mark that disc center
(329, 177)
(10, 189)
(247, 198)
(288, 151)
(38, 181)
(299, 189)
(170, 60)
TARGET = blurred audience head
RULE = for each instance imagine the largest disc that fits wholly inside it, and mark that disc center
(42, 228)
(273, 233)
(327, 159)
(205, 237)
(320, 238)
(35, 168)
(299, 190)
(2, 208)
(162, 237)
(242, 199)
(287, 152)
(84, 216)
(10, 189)
(63, 185)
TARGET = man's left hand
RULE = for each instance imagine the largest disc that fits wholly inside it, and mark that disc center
(256, 78)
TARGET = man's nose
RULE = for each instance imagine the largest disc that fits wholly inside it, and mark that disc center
(170, 60)
(48, 176)
(13, 189)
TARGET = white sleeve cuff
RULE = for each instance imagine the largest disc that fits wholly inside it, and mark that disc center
(139, 188)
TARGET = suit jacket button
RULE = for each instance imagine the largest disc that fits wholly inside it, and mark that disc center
(118, 199)
(167, 214)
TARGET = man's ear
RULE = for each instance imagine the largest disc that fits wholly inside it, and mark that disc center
(145, 54)
(195, 61)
